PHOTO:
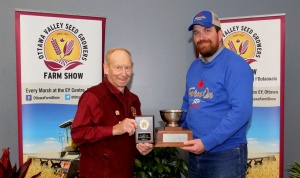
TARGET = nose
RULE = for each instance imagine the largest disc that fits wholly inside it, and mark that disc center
(123, 72)
(201, 36)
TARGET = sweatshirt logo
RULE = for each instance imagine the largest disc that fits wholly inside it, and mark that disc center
(196, 97)
(200, 83)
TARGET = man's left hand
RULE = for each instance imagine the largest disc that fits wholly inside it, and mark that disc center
(144, 148)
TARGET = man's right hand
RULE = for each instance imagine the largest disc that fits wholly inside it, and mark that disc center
(126, 126)
(194, 146)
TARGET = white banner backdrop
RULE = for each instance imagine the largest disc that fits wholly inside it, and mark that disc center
(260, 40)
(58, 56)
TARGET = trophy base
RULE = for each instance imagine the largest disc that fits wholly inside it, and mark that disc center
(172, 137)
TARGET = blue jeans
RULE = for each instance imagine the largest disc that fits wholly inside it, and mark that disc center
(230, 163)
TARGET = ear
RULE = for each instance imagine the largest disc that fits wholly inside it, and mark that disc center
(106, 68)
(220, 35)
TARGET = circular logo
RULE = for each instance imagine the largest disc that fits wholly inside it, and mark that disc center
(144, 124)
(240, 43)
(62, 51)
(244, 45)
(62, 45)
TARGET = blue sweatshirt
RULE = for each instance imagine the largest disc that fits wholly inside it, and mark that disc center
(218, 100)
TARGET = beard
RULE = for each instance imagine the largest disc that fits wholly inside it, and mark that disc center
(206, 48)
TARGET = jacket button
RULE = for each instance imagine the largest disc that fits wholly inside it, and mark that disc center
(105, 156)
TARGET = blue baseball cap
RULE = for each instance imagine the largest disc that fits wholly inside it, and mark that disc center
(206, 19)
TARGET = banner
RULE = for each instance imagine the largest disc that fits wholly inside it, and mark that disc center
(58, 57)
(260, 40)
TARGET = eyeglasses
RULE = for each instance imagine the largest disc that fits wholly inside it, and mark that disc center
(121, 68)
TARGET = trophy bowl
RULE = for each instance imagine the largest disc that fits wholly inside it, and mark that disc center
(172, 116)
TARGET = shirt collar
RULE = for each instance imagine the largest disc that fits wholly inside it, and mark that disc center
(213, 56)
(112, 88)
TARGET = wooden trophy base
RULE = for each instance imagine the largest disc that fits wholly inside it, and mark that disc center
(172, 136)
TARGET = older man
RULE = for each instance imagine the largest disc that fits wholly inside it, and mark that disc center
(104, 124)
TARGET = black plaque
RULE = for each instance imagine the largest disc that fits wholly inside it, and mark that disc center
(145, 129)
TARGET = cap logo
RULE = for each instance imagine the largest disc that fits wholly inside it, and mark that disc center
(199, 17)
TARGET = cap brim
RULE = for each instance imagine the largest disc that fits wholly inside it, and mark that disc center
(207, 25)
